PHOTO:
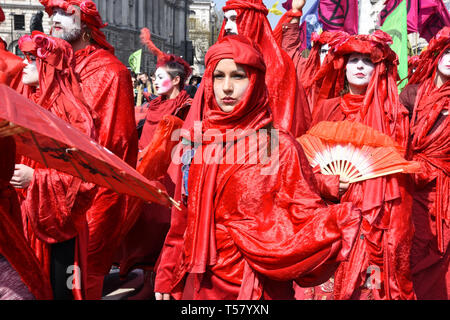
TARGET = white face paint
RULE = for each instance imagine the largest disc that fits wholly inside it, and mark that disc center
(163, 82)
(444, 64)
(323, 52)
(66, 25)
(30, 75)
(231, 25)
(359, 70)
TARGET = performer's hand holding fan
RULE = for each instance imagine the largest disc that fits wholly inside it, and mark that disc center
(354, 151)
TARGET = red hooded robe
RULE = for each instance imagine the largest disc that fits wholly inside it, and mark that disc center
(107, 89)
(384, 241)
(248, 229)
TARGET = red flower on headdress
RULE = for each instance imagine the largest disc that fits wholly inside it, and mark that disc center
(89, 8)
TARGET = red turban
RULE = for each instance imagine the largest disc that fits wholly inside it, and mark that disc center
(89, 15)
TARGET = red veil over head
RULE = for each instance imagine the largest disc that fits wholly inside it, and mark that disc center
(381, 105)
(251, 113)
(59, 89)
(89, 15)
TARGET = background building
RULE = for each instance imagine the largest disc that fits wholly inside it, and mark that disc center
(205, 21)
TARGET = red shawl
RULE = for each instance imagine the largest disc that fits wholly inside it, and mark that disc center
(158, 108)
(387, 227)
(13, 245)
(89, 15)
(246, 232)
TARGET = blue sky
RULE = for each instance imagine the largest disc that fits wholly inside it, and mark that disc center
(269, 3)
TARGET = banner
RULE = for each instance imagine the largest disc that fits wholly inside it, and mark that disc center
(396, 25)
(339, 15)
(135, 61)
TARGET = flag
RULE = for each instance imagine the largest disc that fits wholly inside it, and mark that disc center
(135, 61)
(426, 17)
(339, 15)
(396, 25)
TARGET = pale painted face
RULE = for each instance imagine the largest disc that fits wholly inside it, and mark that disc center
(230, 17)
(30, 75)
(323, 52)
(66, 25)
(444, 64)
(230, 84)
(163, 82)
(359, 70)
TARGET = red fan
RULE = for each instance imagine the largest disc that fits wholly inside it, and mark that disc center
(354, 151)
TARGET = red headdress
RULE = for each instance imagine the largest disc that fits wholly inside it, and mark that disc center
(2, 15)
(251, 113)
(89, 15)
(381, 103)
(163, 58)
(58, 84)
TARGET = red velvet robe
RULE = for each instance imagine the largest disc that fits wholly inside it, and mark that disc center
(430, 145)
(13, 245)
(107, 89)
(384, 240)
(269, 230)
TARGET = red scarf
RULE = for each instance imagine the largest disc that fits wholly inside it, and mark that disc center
(251, 113)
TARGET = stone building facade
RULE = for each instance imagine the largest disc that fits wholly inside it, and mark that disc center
(166, 19)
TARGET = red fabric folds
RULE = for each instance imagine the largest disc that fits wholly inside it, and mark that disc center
(107, 88)
(430, 145)
(249, 229)
(386, 232)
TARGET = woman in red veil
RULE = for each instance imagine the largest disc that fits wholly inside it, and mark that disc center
(430, 146)
(54, 204)
(246, 230)
(361, 72)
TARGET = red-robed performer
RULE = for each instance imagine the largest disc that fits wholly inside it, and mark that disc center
(250, 227)
(430, 145)
(21, 275)
(143, 244)
(362, 69)
(54, 204)
(107, 89)
(290, 110)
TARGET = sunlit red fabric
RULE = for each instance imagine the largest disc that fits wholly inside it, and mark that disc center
(386, 232)
(431, 147)
(107, 89)
(260, 255)
(89, 15)
(13, 245)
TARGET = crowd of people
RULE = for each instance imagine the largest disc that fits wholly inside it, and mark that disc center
(255, 220)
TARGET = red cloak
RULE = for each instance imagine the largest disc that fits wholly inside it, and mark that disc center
(249, 234)
(54, 205)
(430, 145)
(384, 240)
